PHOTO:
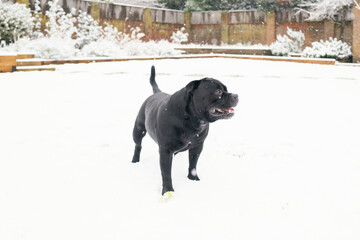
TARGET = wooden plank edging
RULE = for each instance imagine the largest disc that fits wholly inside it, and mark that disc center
(322, 61)
(42, 62)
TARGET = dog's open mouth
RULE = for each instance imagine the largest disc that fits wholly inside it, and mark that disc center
(221, 112)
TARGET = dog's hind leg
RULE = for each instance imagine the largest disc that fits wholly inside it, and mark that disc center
(138, 134)
(194, 154)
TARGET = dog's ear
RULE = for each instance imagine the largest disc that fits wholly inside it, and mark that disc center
(192, 86)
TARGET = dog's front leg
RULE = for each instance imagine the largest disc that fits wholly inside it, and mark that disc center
(166, 158)
(194, 154)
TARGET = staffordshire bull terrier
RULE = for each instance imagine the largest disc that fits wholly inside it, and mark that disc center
(180, 122)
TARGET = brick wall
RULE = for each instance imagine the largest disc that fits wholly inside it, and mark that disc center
(214, 27)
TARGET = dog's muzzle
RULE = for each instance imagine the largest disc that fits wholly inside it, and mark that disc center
(228, 110)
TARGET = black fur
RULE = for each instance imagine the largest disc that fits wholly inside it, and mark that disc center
(180, 122)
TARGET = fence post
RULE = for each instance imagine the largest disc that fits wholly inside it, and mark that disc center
(95, 10)
(356, 35)
(148, 23)
(187, 19)
(329, 29)
(270, 27)
(224, 27)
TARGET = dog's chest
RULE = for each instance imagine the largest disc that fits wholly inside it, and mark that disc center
(188, 138)
(185, 142)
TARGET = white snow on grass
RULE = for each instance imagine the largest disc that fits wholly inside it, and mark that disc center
(285, 167)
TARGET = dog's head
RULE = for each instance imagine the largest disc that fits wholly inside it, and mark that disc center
(210, 100)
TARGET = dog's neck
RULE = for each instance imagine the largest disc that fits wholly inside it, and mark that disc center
(186, 110)
(196, 123)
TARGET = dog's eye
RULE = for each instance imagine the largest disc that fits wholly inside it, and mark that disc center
(218, 92)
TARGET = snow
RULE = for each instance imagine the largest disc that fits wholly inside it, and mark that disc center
(287, 44)
(285, 167)
(147, 3)
(8, 54)
(332, 48)
(15, 21)
(225, 46)
(325, 9)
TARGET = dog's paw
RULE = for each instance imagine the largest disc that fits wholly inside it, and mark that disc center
(194, 178)
(193, 175)
(136, 158)
(167, 196)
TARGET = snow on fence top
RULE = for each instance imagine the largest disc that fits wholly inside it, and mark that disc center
(246, 17)
(131, 12)
(121, 12)
(206, 17)
(167, 16)
(286, 15)
(67, 5)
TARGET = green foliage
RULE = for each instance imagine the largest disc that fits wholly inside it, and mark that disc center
(15, 21)
(174, 4)
(273, 5)
(203, 5)
(222, 5)
(238, 4)
(267, 5)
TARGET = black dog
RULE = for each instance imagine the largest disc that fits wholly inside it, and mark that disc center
(180, 122)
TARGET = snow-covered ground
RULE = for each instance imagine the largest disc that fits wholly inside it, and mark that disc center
(287, 166)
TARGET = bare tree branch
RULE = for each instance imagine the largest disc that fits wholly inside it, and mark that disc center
(324, 9)
(357, 4)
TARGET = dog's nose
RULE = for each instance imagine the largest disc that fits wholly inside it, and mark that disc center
(235, 98)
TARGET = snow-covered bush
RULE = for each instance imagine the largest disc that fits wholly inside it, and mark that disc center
(77, 34)
(111, 33)
(298, 38)
(331, 48)
(282, 46)
(102, 48)
(151, 48)
(135, 35)
(83, 29)
(290, 43)
(15, 21)
(179, 36)
(56, 48)
(88, 30)
(37, 21)
(60, 24)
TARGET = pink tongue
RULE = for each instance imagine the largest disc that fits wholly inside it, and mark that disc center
(231, 110)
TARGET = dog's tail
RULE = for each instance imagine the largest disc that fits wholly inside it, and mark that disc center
(153, 82)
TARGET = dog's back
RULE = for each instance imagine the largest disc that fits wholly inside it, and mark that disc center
(145, 121)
